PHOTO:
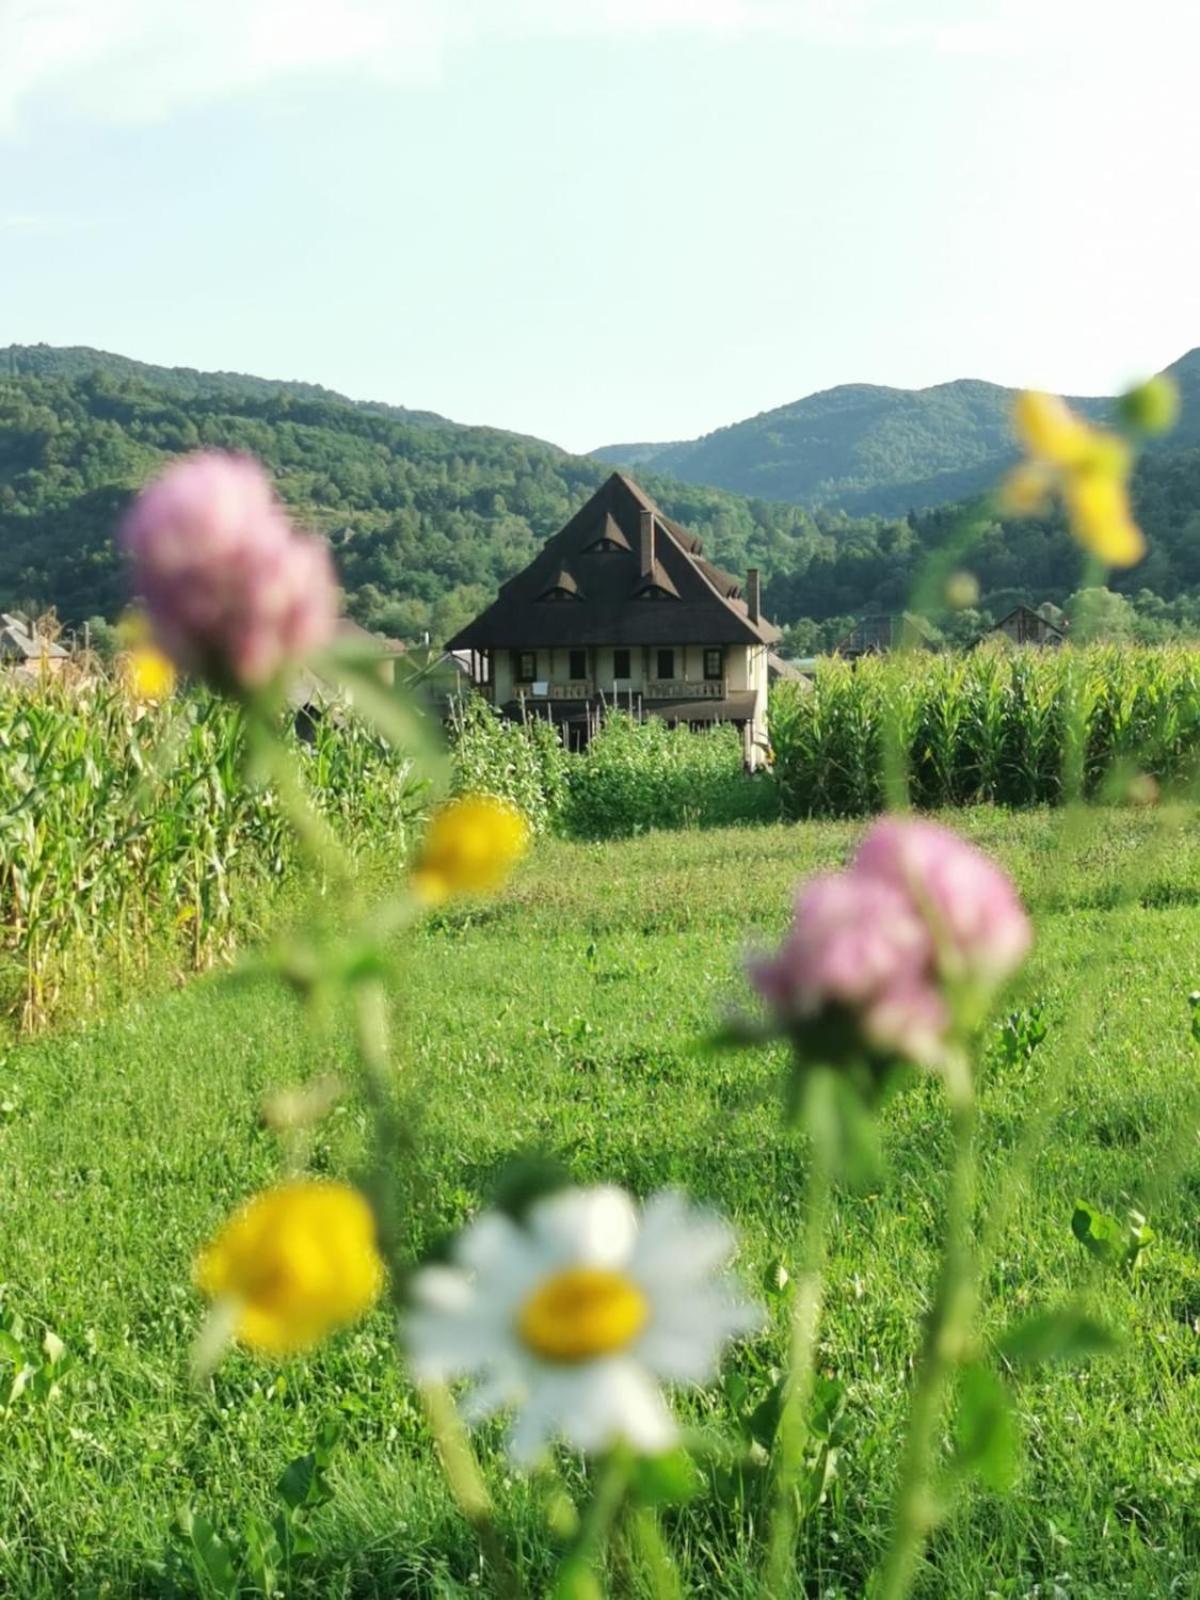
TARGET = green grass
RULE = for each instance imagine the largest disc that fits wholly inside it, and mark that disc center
(565, 1016)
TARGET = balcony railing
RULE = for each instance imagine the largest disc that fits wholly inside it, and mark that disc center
(588, 688)
(685, 689)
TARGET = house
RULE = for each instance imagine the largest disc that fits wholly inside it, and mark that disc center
(1023, 625)
(881, 632)
(361, 642)
(24, 647)
(622, 608)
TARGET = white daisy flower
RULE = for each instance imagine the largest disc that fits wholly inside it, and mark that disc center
(575, 1316)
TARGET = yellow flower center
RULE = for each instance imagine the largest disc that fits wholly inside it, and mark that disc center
(582, 1313)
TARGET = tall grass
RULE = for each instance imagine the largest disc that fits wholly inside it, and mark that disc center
(988, 727)
(124, 828)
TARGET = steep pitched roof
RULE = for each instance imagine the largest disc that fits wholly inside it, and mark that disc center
(20, 640)
(679, 598)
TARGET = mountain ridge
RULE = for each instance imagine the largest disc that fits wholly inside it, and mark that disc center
(870, 448)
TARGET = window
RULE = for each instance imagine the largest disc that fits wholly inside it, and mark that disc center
(621, 664)
(525, 666)
(666, 664)
(577, 668)
(714, 664)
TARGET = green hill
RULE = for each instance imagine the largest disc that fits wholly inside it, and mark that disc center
(427, 517)
(868, 449)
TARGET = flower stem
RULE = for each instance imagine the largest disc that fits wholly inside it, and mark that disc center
(656, 1556)
(792, 1434)
(596, 1524)
(467, 1485)
(947, 1330)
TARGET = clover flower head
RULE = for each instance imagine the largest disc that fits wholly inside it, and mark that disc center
(296, 1262)
(980, 931)
(470, 847)
(575, 1317)
(233, 590)
(881, 958)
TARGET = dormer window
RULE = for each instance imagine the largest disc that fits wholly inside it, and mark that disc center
(564, 587)
(655, 583)
(612, 537)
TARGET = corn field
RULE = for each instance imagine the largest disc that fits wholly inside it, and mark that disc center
(127, 829)
(1012, 728)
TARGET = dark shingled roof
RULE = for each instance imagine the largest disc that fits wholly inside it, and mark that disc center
(697, 603)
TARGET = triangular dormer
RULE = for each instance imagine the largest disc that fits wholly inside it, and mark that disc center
(564, 587)
(611, 537)
(656, 585)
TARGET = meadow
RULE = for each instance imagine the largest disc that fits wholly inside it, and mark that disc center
(568, 1016)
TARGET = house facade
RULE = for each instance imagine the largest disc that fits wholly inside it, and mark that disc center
(622, 608)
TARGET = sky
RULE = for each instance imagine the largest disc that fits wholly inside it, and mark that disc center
(605, 220)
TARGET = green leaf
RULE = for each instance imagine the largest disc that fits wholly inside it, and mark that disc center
(1107, 1238)
(985, 1432)
(1065, 1335)
(213, 1557)
(667, 1480)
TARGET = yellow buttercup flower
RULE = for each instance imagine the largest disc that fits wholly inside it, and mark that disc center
(471, 846)
(1050, 430)
(148, 673)
(1088, 467)
(294, 1263)
(1098, 506)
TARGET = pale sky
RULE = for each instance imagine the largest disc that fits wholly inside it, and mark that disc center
(603, 220)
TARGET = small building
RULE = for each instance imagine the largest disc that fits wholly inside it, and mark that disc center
(375, 647)
(24, 647)
(622, 608)
(881, 632)
(1023, 625)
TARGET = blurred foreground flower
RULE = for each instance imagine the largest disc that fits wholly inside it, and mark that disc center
(575, 1315)
(294, 1263)
(895, 955)
(470, 847)
(148, 674)
(1087, 466)
(234, 592)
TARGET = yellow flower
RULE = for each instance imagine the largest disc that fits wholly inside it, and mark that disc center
(1098, 505)
(1088, 466)
(471, 846)
(295, 1262)
(148, 673)
(1050, 430)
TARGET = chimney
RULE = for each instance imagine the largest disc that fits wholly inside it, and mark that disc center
(647, 543)
(753, 594)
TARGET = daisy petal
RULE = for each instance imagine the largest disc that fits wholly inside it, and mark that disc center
(592, 1227)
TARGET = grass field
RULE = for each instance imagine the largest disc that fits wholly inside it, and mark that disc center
(565, 1016)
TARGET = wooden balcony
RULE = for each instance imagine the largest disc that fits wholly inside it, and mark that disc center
(685, 689)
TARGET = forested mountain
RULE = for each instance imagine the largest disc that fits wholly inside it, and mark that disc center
(427, 517)
(864, 448)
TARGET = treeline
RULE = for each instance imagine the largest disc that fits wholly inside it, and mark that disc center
(427, 517)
